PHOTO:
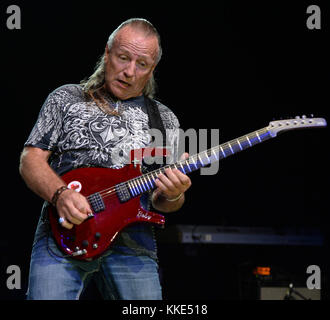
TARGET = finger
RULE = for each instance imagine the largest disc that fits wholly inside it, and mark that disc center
(183, 178)
(167, 183)
(76, 216)
(66, 224)
(163, 189)
(81, 209)
(180, 180)
(81, 203)
(71, 213)
(160, 185)
(174, 178)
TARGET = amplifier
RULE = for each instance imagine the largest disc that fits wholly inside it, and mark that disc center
(240, 235)
(284, 293)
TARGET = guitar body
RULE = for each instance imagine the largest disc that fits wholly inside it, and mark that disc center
(96, 234)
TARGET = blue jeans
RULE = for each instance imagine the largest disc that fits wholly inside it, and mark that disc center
(117, 276)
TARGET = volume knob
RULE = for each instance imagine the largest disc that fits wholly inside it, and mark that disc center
(85, 243)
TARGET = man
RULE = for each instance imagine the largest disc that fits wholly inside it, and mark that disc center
(98, 123)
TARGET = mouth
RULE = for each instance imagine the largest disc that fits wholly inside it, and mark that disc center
(123, 83)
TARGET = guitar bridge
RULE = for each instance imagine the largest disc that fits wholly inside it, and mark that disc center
(96, 202)
(122, 192)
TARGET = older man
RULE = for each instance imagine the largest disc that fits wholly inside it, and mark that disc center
(98, 123)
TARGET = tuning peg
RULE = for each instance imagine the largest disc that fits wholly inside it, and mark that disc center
(304, 116)
(312, 116)
(297, 117)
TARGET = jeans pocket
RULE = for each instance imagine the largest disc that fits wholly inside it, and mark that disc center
(54, 250)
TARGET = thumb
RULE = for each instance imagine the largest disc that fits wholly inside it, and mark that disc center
(184, 156)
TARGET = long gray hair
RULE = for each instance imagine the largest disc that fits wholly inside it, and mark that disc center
(96, 81)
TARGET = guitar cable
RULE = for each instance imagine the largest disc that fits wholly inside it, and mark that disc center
(50, 251)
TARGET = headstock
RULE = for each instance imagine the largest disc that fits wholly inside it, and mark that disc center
(278, 126)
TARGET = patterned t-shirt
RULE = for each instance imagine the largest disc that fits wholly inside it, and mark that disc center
(80, 134)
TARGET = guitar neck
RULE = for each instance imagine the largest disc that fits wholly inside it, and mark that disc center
(146, 182)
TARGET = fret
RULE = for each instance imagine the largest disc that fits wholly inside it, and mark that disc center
(232, 151)
(239, 144)
(244, 142)
(144, 183)
(224, 155)
(188, 165)
(133, 193)
(200, 160)
(142, 188)
(136, 187)
(254, 138)
(160, 171)
(236, 147)
(227, 149)
(182, 168)
(152, 174)
(209, 160)
(248, 139)
(149, 186)
(150, 181)
(139, 183)
(194, 163)
(264, 135)
(257, 134)
(215, 154)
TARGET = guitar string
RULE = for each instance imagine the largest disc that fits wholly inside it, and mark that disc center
(109, 191)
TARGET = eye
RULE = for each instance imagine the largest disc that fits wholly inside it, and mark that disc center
(142, 64)
(123, 57)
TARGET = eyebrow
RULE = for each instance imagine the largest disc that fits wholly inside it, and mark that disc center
(144, 56)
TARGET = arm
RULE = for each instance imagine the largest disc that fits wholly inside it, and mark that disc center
(42, 180)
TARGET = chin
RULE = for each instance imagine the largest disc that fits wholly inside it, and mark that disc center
(119, 93)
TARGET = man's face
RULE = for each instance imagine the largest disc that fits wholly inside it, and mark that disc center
(130, 63)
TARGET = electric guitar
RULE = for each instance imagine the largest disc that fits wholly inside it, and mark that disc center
(114, 194)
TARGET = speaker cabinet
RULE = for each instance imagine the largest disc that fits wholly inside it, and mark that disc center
(283, 293)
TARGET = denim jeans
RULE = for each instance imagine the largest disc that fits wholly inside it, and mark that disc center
(117, 276)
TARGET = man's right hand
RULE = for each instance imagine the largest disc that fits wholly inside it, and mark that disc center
(73, 207)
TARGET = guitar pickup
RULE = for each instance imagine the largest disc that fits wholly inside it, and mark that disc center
(122, 192)
(96, 202)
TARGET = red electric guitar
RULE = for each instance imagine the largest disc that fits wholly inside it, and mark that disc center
(114, 194)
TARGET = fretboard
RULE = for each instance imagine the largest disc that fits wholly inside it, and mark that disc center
(146, 182)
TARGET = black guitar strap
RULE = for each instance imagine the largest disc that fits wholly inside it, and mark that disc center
(155, 121)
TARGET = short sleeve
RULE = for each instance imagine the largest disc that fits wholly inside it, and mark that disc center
(47, 129)
(172, 127)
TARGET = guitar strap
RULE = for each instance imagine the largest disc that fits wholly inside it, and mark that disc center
(155, 121)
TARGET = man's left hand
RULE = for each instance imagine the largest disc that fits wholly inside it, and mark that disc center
(173, 183)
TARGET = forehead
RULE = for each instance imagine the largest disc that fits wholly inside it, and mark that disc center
(136, 42)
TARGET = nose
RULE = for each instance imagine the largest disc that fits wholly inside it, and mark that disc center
(130, 70)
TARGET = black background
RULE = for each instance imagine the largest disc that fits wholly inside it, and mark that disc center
(227, 65)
